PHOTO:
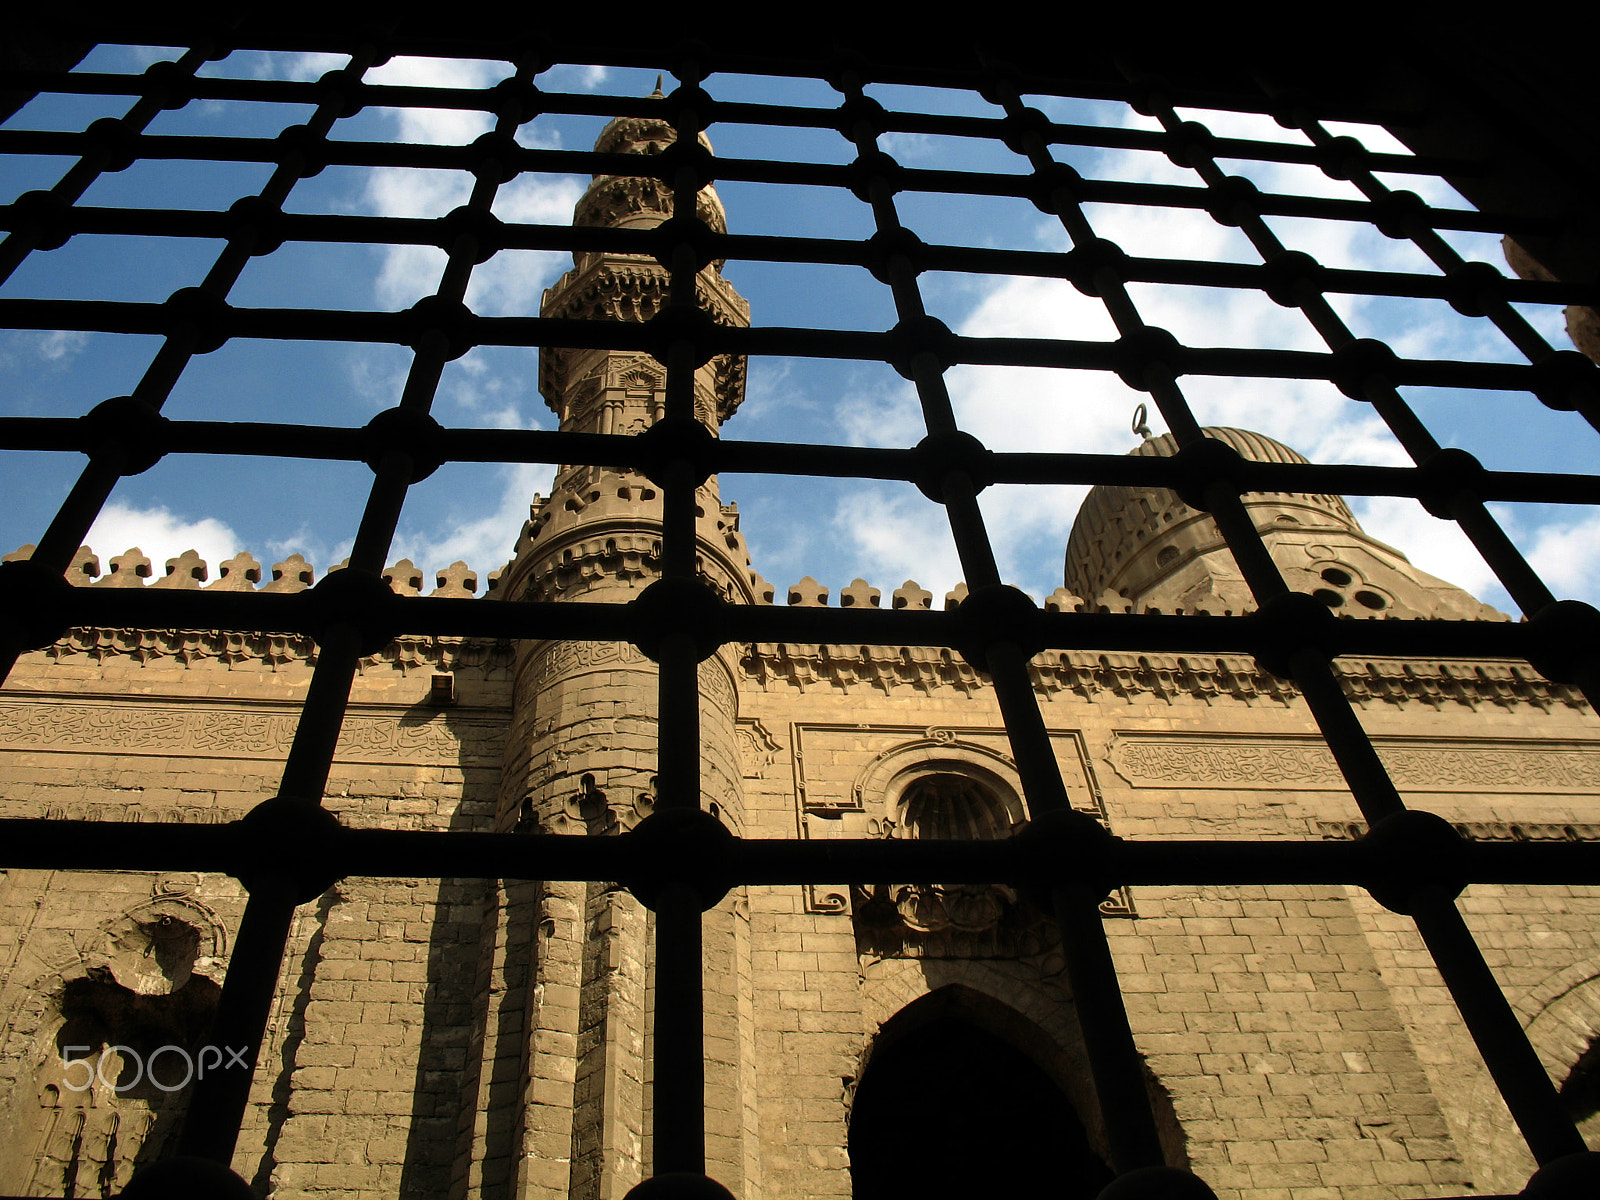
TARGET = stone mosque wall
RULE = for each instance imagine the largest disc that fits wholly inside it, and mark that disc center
(1295, 1037)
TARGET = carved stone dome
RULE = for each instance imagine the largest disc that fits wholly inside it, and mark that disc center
(1142, 549)
(1125, 536)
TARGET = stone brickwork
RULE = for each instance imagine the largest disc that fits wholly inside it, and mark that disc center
(360, 1089)
(1293, 1055)
(472, 1038)
(1264, 1015)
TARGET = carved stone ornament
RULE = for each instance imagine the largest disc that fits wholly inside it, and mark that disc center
(120, 1015)
(966, 907)
(947, 921)
(559, 659)
(224, 731)
(777, 666)
(1416, 765)
(587, 810)
(758, 749)
(274, 650)
(1483, 831)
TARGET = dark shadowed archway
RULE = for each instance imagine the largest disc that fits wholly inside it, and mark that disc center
(948, 1109)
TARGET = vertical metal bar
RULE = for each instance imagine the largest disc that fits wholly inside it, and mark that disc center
(679, 1083)
(1499, 1036)
(1114, 1060)
(71, 524)
(217, 1104)
(1352, 750)
(316, 734)
(680, 1068)
(247, 994)
(678, 725)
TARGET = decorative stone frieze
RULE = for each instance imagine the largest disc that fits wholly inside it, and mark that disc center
(405, 654)
(774, 665)
(1415, 764)
(202, 729)
(1483, 831)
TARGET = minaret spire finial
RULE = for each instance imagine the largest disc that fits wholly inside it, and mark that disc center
(658, 94)
(1141, 422)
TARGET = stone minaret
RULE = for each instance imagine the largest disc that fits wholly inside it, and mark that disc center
(566, 1050)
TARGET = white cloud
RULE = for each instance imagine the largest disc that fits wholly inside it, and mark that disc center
(1256, 127)
(1435, 546)
(306, 542)
(492, 387)
(1563, 550)
(36, 353)
(484, 542)
(160, 534)
(302, 67)
(511, 282)
(906, 147)
(61, 343)
(1566, 554)
(772, 388)
(898, 535)
(1020, 409)
(378, 375)
(882, 415)
(444, 125)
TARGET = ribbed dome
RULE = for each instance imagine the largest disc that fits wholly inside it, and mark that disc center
(1118, 527)
(1257, 447)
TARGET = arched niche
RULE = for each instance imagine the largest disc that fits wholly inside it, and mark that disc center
(943, 792)
(1561, 1016)
(1580, 1094)
(938, 803)
(940, 787)
(961, 1095)
(141, 991)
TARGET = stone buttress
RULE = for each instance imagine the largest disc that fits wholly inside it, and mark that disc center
(564, 1098)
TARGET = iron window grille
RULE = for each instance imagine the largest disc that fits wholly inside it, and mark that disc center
(290, 849)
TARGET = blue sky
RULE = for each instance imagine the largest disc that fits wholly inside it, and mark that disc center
(832, 530)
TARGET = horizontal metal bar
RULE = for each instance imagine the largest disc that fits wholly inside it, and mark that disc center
(393, 615)
(238, 848)
(289, 324)
(733, 456)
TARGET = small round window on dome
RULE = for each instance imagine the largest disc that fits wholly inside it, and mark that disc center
(1286, 519)
(1336, 577)
(1371, 600)
(1329, 597)
(1168, 556)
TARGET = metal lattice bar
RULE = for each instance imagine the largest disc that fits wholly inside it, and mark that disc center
(291, 849)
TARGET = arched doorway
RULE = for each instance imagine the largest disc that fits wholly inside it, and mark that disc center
(949, 1109)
